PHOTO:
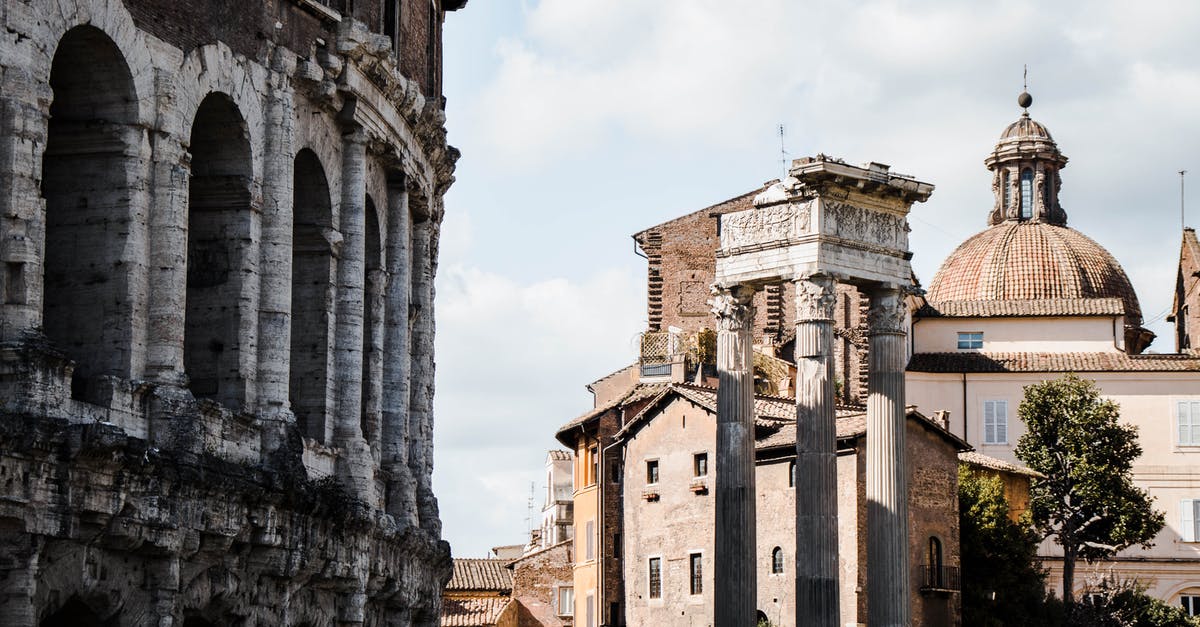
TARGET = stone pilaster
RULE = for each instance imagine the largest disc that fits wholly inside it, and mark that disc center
(734, 599)
(420, 423)
(354, 463)
(887, 505)
(816, 455)
(169, 179)
(396, 394)
(275, 268)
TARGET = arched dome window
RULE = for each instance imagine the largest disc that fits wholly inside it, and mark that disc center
(1026, 193)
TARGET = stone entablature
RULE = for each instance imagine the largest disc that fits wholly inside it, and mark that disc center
(224, 261)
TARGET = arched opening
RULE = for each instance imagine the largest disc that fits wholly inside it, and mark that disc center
(87, 171)
(936, 576)
(777, 560)
(219, 197)
(313, 284)
(372, 327)
(1026, 194)
(75, 613)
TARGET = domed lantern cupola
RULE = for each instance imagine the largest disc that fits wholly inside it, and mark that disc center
(1025, 167)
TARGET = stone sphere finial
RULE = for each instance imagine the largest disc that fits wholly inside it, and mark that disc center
(1024, 100)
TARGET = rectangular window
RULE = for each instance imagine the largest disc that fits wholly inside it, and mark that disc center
(995, 422)
(970, 341)
(590, 541)
(656, 578)
(616, 547)
(792, 474)
(697, 571)
(594, 453)
(614, 471)
(1187, 417)
(1191, 604)
(700, 464)
(1189, 519)
(566, 601)
(652, 471)
(591, 610)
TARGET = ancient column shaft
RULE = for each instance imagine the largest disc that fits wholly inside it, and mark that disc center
(354, 465)
(401, 494)
(816, 456)
(168, 261)
(275, 268)
(420, 423)
(887, 505)
(735, 594)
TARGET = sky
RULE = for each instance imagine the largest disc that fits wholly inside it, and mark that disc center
(582, 122)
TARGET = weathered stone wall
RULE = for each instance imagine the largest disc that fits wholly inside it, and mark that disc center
(219, 236)
(537, 579)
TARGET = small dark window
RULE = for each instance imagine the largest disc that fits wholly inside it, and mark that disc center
(697, 570)
(614, 471)
(936, 572)
(616, 547)
(594, 453)
(655, 578)
(652, 471)
(776, 560)
(792, 474)
(700, 464)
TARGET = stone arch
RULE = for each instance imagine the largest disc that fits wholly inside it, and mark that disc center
(216, 68)
(76, 612)
(90, 168)
(219, 258)
(373, 314)
(314, 275)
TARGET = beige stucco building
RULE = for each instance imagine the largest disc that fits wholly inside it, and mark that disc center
(1029, 299)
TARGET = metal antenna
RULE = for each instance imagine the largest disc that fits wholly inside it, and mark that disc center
(783, 153)
(1182, 224)
(1025, 78)
(529, 508)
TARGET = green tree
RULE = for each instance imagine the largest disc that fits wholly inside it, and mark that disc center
(1126, 604)
(1086, 501)
(1002, 582)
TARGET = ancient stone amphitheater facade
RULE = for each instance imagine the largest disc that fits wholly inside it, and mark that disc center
(218, 235)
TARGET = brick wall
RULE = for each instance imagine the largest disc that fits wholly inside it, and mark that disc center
(537, 578)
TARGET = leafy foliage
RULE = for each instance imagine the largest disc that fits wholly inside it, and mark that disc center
(1087, 501)
(1126, 604)
(1003, 583)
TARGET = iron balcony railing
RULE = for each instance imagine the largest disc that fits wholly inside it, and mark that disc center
(940, 579)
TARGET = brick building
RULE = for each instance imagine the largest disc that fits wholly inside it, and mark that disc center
(220, 233)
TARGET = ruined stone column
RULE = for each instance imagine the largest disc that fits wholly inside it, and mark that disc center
(401, 489)
(275, 269)
(887, 505)
(354, 464)
(735, 595)
(816, 455)
(23, 129)
(420, 435)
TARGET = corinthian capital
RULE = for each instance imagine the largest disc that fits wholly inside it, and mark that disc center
(734, 307)
(815, 298)
(888, 311)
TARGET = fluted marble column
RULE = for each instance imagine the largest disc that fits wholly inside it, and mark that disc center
(401, 488)
(735, 594)
(354, 464)
(887, 505)
(816, 455)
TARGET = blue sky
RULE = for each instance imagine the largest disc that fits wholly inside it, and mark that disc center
(582, 122)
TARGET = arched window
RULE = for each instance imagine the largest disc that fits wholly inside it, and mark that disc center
(89, 176)
(935, 578)
(218, 262)
(1026, 193)
(312, 297)
(1005, 192)
(776, 561)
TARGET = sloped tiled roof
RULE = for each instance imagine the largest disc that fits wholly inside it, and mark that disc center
(1051, 362)
(559, 455)
(1025, 261)
(472, 612)
(1019, 308)
(849, 423)
(639, 392)
(480, 574)
(975, 458)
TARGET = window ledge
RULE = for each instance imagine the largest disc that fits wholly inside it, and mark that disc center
(650, 495)
(699, 485)
(321, 11)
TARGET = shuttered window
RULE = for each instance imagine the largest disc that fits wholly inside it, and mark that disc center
(995, 422)
(1187, 417)
(1189, 510)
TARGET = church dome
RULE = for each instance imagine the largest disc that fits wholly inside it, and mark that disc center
(1027, 260)
(1026, 128)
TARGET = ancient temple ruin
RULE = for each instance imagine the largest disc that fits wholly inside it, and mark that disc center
(219, 238)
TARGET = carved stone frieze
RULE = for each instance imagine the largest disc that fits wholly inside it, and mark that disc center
(733, 307)
(863, 225)
(815, 298)
(769, 224)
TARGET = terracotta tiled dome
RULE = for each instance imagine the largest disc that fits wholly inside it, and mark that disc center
(1032, 261)
(1026, 128)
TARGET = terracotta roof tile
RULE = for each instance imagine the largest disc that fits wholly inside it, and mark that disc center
(1051, 362)
(1026, 261)
(975, 458)
(1019, 308)
(480, 574)
(472, 612)
(559, 454)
